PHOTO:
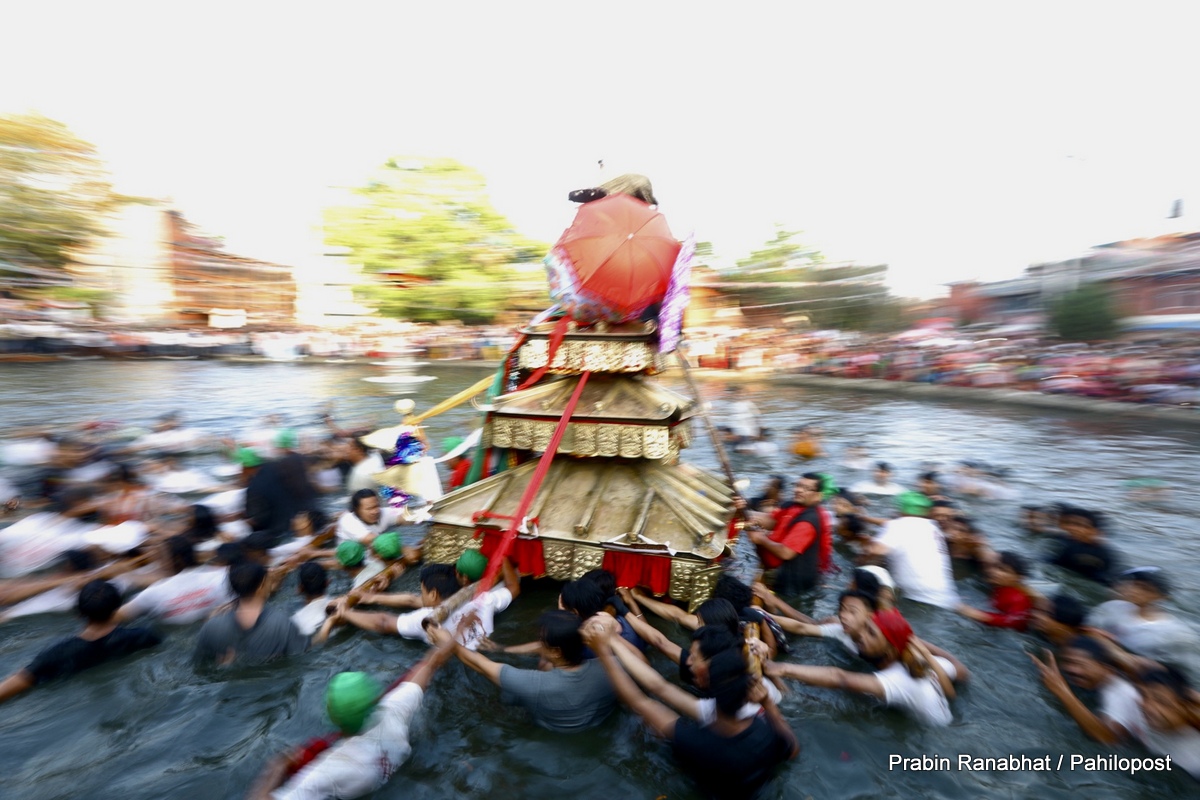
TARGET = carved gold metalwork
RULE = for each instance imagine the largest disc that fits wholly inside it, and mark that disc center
(575, 356)
(445, 543)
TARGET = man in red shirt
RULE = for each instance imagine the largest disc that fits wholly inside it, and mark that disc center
(460, 466)
(796, 541)
(1011, 597)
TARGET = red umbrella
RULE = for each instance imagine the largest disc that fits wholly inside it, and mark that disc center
(614, 261)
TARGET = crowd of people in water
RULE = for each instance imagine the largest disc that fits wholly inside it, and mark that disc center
(90, 533)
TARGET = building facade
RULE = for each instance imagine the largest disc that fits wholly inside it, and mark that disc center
(1154, 283)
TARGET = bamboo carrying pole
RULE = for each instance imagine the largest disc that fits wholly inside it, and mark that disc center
(718, 446)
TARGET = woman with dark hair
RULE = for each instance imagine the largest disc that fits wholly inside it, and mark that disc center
(203, 525)
(734, 755)
(279, 491)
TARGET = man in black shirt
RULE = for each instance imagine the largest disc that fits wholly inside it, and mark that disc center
(1083, 549)
(731, 757)
(101, 640)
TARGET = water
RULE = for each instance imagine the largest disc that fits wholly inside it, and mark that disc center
(152, 727)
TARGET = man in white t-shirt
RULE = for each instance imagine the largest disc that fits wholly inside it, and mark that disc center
(1086, 664)
(1138, 622)
(909, 676)
(743, 416)
(881, 484)
(916, 553)
(191, 594)
(366, 518)
(377, 733)
(438, 584)
(367, 462)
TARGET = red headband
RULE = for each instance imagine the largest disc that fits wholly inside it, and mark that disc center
(894, 627)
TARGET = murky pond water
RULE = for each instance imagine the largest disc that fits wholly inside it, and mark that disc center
(152, 727)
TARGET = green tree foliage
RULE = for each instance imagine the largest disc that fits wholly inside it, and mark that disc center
(1086, 314)
(432, 218)
(54, 192)
(848, 297)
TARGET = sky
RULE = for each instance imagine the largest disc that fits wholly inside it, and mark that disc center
(950, 140)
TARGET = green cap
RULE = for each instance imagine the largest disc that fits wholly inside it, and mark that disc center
(350, 554)
(287, 439)
(471, 563)
(350, 698)
(829, 486)
(451, 442)
(913, 503)
(247, 457)
(387, 546)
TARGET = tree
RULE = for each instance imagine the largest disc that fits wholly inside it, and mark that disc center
(1085, 314)
(836, 296)
(431, 218)
(54, 192)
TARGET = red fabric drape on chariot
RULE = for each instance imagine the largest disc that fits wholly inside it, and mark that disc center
(636, 569)
(526, 554)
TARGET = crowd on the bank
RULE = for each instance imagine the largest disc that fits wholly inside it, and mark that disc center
(136, 563)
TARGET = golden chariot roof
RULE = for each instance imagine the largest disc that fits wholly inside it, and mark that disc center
(636, 506)
(605, 398)
(628, 348)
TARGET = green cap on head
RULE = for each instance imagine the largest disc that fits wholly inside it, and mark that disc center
(350, 698)
(829, 486)
(247, 458)
(287, 439)
(350, 554)
(451, 442)
(913, 503)
(387, 546)
(471, 563)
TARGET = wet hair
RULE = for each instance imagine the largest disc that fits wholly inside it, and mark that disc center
(182, 552)
(820, 479)
(714, 639)
(313, 579)
(318, 519)
(1173, 679)
(78, 560)
(229, 553)
(861, 595)
(942, 504)
(583, 597)
(883, 465)
(728, 680)
(719, 612)
(929, 476)
(1093, 648)
(258, 542)
(1093, 518)
(1067, 610)
(853, 524)
(733, 590)
(204, 524)
(560, 630)
(98, 601)
(1016, 562)
(867, 583)
(439, 578)
(245, 577)
(357, 498)
(604, 579)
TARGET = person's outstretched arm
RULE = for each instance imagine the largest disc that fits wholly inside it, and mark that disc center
(668, 611)
(1105, 732)
(15, 684)
(660, 719)
(827, 677)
